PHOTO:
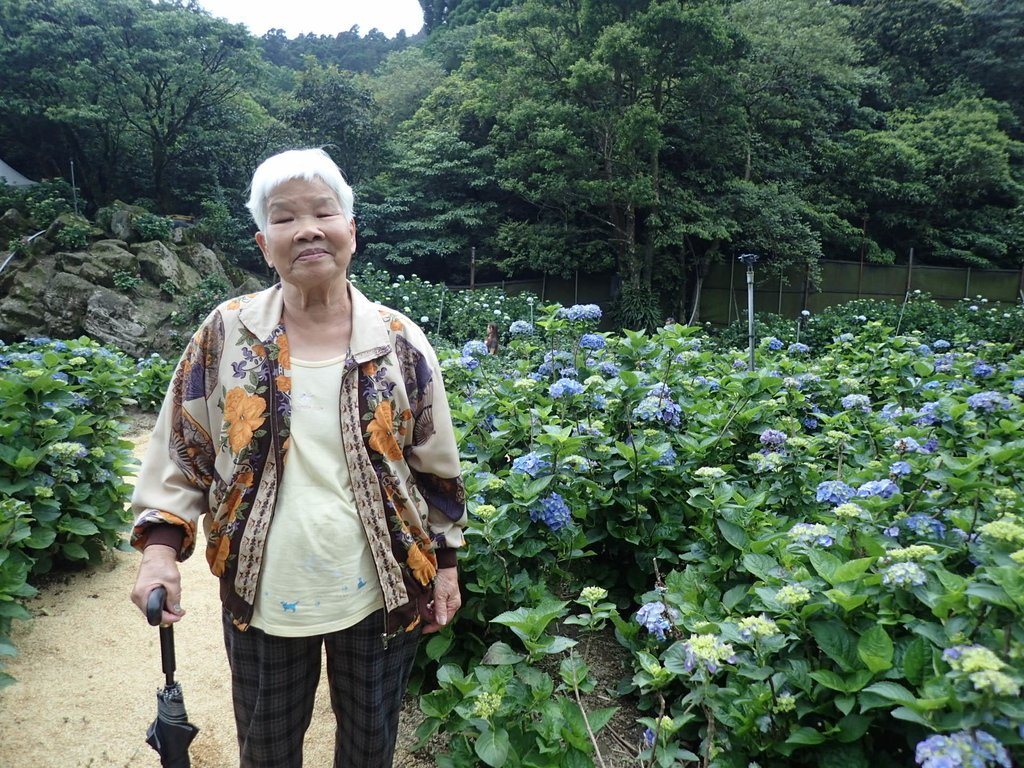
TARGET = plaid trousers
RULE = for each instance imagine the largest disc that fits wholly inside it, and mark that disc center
(274, 682)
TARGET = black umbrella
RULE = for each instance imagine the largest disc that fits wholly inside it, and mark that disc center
(171, 732)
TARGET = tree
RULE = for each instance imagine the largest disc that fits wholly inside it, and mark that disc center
(123, 83)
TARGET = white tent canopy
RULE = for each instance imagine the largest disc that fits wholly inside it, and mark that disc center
(12, 177)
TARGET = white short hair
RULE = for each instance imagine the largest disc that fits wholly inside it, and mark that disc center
(308, 164)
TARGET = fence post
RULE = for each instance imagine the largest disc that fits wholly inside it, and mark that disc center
(967, 284)
(910, 269)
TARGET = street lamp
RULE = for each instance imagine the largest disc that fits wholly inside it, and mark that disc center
(750, 259)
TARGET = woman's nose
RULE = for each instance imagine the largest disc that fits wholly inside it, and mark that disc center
(308, 229)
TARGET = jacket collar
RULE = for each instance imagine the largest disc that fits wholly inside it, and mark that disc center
(261, 314)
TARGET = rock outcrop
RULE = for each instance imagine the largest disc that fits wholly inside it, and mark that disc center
(115, 292)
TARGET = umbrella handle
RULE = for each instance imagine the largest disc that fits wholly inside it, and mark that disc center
(155, 605)
(154, 612)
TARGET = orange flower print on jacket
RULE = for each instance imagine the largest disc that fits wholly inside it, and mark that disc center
(217, 556)
(284, 383)
(421, 567)
(381, 430)
(243, 414)
(397, 325)
(284, 355)
(369, 368)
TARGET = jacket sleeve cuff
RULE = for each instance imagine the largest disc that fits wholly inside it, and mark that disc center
(446, 558)
(169, 535)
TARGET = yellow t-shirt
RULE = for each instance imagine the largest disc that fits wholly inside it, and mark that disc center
(318, 575)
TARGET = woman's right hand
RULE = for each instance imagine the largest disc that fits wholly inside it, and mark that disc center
(159, 567)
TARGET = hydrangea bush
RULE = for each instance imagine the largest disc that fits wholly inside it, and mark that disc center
(825, 571)
(62, 461)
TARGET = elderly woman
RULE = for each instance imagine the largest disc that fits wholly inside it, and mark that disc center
(311, 427)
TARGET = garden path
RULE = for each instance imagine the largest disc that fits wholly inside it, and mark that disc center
(88, 667)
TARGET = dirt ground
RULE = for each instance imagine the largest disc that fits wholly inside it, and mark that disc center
(88, 668)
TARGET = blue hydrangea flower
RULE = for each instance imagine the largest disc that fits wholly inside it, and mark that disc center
(940, 344)
(929, 414)
(774, 343)
(580, 312)
(981, 370)
(652, 617)
(40, 341)
(592, 341)
(531, 464)
(658, 409)
(667, 459)
(906, 445)
(925, 525)
(553, 512)
(469, 363)
(711, 384)
(834, 492)
(861, 402)
(989, 402)
(474, 348)
(60, 346)
(520, 328)
(564, 387)
(899, 468)
(773, 438)
(608, 369)
(964, 749)
(884, 489)
(798, 348)
(61, 376)
(600, 402)
(923, 349)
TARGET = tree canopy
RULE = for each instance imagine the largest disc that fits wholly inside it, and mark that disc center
(646, 138)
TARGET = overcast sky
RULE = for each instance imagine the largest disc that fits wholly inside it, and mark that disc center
(320, 17)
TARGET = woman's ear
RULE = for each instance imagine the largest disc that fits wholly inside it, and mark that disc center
(261, 241)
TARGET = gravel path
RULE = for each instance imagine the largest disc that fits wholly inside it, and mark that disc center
(88, 668)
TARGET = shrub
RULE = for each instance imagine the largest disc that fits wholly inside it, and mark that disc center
(820, 557)
(211, 291)
(74, 234)
(150, 226)
(62, 461)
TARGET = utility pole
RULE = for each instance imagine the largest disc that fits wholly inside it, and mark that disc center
(750, 259)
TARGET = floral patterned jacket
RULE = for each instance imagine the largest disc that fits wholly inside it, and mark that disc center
(221, 441)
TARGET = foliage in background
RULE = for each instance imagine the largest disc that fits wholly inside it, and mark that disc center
(815, 562)
(968, 320)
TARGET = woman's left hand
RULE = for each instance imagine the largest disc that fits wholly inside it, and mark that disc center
(447, 598)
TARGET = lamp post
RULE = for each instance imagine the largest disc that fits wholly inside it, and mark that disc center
(750, 259)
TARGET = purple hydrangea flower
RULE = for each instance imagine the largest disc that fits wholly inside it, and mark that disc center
(774, 343)
(773, 438)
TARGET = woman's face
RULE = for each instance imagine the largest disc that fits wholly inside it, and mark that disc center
(308, 239)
